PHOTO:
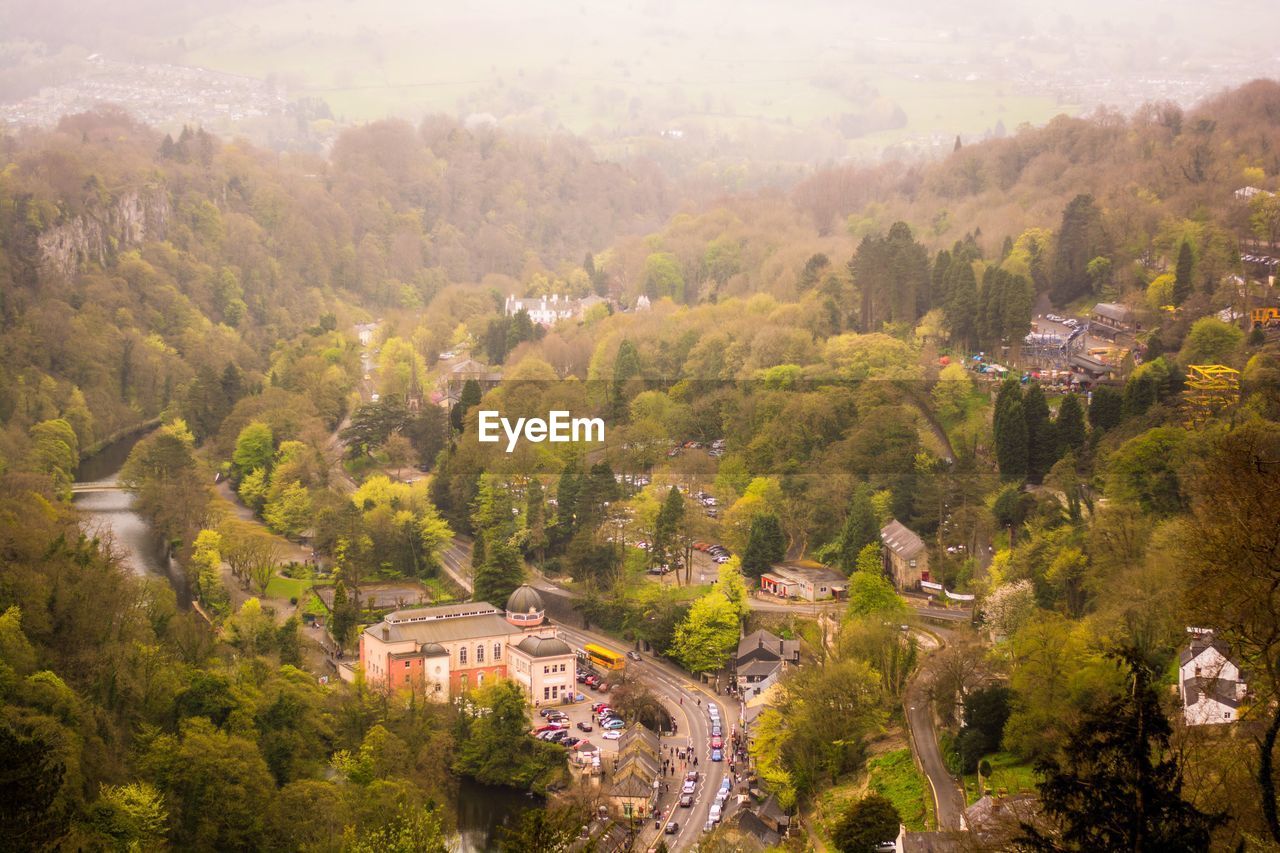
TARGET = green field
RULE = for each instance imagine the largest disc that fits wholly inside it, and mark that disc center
(1007, 774)
(894, 776)
(283, 587)
(774, 78)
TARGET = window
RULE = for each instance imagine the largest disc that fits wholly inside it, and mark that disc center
(437, 688)
(545, 670)
(480, 679)
(462, 681)
(406, 664)
(497, 651)
(462, 655)
(546, 693)
(480, 653)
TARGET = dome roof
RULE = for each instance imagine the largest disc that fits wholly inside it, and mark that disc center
(544, 647)
(525, 600)
(434, 650)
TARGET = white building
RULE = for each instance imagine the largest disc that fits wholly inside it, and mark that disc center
(1212, 686)
(549, 310)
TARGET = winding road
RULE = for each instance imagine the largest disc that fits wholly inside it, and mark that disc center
(948, 797)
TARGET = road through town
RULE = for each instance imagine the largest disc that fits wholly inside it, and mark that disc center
(688, 702)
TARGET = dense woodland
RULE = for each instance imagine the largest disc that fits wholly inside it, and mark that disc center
(215, 288)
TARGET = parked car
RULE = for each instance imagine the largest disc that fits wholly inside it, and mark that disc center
(549, 727)
(689, 787)
(563, 735)
(673, 827)
(691, 776)
(613, 735)
(686, 801)
(585, 727)
(603, 686)
(614, 723)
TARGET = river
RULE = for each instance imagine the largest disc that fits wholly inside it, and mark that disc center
(479, 810)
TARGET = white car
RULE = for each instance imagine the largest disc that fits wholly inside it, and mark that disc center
(689, 787)
(615, 734)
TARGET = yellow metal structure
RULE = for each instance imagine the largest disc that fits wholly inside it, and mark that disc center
(1211, 388)
(1264, 317)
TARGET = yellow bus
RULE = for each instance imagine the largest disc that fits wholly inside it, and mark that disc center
(603, 658)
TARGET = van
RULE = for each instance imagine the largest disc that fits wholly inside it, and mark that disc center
(714, 815)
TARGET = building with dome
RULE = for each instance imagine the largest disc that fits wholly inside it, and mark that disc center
(445, 651)
(525, 608)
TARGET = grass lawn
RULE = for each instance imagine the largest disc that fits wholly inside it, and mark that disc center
(894, 776)
(283, 587)
(1008, 774)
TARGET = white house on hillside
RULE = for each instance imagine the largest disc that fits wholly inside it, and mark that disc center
(1212, 686)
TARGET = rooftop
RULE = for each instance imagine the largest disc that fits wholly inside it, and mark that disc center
(444, 630)
(901, 540)
(544, 647)
(763, 639)
(443, 611)
(1113, 312)
(806, 572)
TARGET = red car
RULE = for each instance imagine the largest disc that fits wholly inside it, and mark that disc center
(717, 742)
(550, 727)
(599, 706)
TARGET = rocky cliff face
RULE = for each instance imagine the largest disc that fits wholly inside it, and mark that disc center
(135, 216)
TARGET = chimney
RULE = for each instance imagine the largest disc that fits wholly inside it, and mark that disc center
(780, 648)
(762, 641)
(386, 634)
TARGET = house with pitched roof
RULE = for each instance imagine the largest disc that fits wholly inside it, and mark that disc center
(1211, 684)
(906, 559)
(761, 659)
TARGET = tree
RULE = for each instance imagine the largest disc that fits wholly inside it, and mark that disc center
(541, 830)
(870, 821)
(132, 816)
(57, 450)
(1009, 607)
(255, 448)
(766, 545)
(1145, 471)
(1182, 282)
(399, 451)
(1069, 425)
(1010, 427)
(707, 636)
(1042, 442)
(496, 748)
(1211, 341)
(871, 593)
(1106, 408)
(1118, 785)
(662, 277)
(665, 550)
(216, 785)
(1081, 239)
(467, 400)
(289, 514)
(861, 528)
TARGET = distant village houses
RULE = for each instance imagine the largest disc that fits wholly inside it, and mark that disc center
(549, 310)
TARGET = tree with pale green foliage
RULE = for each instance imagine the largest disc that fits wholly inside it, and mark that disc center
(132, 816)
(290, 514)
(255, 448)
(57, 451)
(709, 633)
